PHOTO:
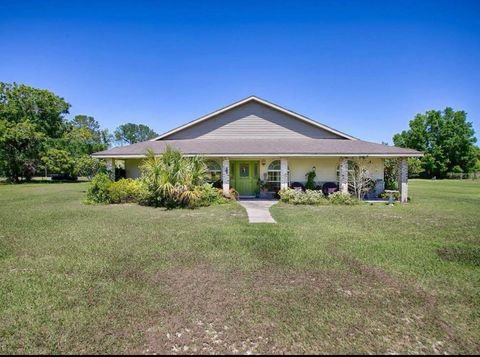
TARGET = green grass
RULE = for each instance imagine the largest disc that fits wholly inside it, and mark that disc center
(128, 279)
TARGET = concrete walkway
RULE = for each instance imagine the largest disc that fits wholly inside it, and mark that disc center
(258, 210)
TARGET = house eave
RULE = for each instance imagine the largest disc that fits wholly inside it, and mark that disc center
(306, 155)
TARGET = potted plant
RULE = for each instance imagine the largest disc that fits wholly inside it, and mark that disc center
(258, 188)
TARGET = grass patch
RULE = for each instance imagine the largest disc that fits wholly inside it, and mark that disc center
(326, 279)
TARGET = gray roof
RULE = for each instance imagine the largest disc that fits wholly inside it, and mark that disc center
(265, 147)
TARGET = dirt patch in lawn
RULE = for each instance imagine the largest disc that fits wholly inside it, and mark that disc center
(361, 309)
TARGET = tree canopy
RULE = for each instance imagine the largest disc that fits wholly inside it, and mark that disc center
(131, 133)
(29, 117)
(445, 137)
(34, 133)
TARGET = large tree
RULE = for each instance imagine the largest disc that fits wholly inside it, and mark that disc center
(85, 137)
(29, 118)
(445, 137)
(131, 133)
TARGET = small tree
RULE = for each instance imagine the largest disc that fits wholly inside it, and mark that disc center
(360, 179)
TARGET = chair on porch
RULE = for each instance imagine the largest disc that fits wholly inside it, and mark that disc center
(329, 188)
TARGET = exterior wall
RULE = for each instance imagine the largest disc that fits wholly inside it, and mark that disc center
(132, 168)
(326, 168)
(254, 121)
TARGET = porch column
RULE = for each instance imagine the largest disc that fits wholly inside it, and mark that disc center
(226, 176)
(343, 180)
(111, 167)
(403, 179)
(283, 173)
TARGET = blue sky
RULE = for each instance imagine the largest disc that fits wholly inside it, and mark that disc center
(363, 67)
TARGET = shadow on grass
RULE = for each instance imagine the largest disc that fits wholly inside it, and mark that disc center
(465, 255)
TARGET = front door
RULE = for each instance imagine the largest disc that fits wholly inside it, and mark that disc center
(245, 177)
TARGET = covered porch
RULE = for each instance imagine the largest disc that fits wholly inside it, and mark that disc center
(261, 176)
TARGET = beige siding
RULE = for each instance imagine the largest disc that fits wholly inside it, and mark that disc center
(255, 121)
(326, 168)
(132, 168)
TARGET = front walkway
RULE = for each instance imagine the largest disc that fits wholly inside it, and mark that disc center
(258, 210)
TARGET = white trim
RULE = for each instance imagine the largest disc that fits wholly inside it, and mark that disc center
(259, 100)
(266, 155)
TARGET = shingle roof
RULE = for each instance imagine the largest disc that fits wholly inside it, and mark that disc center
(264, 147)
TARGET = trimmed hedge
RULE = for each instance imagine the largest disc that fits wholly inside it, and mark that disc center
(315, 197)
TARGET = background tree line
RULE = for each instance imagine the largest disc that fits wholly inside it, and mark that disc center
(36, 137)
(447, 140)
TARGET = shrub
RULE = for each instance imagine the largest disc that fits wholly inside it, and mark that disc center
(386, 196)
(287, 194)
(310, 185)
(457, 169)
(125, 190)
(88, 166)
(98, 190)
(206, 195)
(309, 197)
(343, 198)
(171, 180)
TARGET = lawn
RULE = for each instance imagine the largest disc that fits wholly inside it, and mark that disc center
(128, 279)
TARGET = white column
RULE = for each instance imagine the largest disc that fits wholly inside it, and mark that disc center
(226, 176)
(343, 180)
(283, 173)
(403, 179)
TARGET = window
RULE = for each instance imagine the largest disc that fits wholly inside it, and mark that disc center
(274, 175)
(244, 170)
(214, 171)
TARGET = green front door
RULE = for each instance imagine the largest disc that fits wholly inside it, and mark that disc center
(245, 176)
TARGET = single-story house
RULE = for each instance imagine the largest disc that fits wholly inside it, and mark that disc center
(254, 141)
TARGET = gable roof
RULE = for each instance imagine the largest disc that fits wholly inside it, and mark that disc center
(258, 100)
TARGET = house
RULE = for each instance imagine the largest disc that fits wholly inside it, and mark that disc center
(254, 141)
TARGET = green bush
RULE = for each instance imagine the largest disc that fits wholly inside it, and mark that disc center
(88, 166)
(386, 196)
(309, 197)
(125, 191)
(457, 169)
(342, 198)
(310, 184)
(172, 180)
(99, 188)
(206, 195)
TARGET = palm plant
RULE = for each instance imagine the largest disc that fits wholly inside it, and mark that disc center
(172, 179)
